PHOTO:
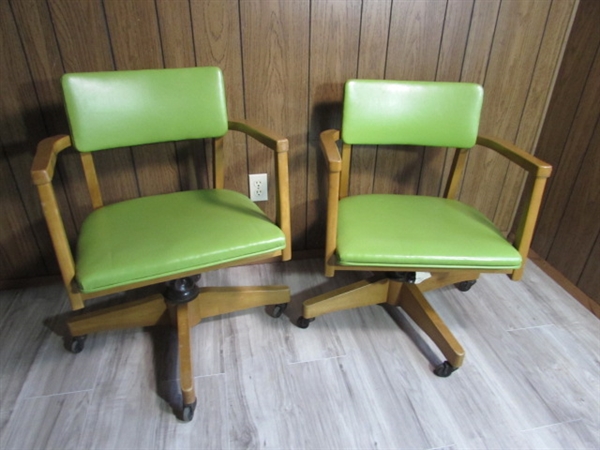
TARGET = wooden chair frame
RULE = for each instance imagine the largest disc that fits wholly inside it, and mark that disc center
(381, 289)
(154, 310)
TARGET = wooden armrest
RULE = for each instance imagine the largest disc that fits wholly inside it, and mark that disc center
(330, 150)
(540, 171)
(263, 135)
(44, 162)
(528, 162)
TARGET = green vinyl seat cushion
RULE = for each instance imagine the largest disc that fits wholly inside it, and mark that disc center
(385, 230)
(151, 237)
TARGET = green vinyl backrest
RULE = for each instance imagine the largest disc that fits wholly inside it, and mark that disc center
(430, 113)
(123, 108)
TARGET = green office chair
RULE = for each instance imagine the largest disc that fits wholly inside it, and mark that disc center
(396, 236)
(170, 238)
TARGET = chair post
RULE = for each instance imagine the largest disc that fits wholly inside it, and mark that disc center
(179, 294)
(456, 173)
(524, 234)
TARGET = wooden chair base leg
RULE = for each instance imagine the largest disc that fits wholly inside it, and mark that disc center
(361, 293)
(138, 313)
(184, 306)
(397, 293)
(413, 302)
(186, 377)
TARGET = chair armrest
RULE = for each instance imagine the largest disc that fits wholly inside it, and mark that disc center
(330, 150)
(528, 162)
(539, 171)
(280, 145)
(263, 135)
(44, 162)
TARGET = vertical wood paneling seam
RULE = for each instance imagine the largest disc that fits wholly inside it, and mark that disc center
(435, 77)
(192, 33)
(524, 107)
(562, 217)
(60, 54)
(114, 64)
(110, 40)
(27, 63)
(387, 47)
(362, 8)
(164, 63)
(244, 106)
(308, 119)
(462, 66)
(587, 260)
(59, 169)
(487, 66)
(385, 66)
(565, 41)
(160, 38)
(581, 165)
(437, 65)
(5, 156)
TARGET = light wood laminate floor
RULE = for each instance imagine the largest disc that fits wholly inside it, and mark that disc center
(359, 379)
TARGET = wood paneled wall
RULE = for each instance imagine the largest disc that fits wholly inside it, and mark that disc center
(568, 234)
(285, 63)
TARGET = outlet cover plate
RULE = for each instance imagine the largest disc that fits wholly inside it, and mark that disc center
(259, 189)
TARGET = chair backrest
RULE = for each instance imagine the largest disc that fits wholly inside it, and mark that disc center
(125, 108)
(428, 113)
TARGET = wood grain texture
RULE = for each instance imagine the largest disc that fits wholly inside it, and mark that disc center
(275, 39)
(216, 30)
(486, 171)
(413, 50)
(80, 27)
(569, 142)
(333, 32)
(285, 64)
(22, 125)
(136, 44)
(529, 379)
(583, 209)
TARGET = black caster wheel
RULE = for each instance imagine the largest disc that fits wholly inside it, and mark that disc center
(464, 286)
(444, 370)
(303, 322)
(74, 344)
(187, 413)
(278, 310)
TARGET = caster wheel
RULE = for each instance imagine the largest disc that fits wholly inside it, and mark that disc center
(464, 286)
(187, 413)
(278, 310)
(444, 370)
(74, 344)
(303, 322)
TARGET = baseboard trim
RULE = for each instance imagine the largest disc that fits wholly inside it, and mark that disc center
(565, 283)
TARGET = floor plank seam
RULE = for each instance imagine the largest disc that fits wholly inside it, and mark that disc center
(550, 425)
(57, 394)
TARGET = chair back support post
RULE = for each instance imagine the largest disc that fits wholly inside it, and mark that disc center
(456, 173)
(89, 169)
(345, 174)
(283, 201)
(218, 163)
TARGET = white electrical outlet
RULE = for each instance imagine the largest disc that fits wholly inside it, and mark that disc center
(259, 189)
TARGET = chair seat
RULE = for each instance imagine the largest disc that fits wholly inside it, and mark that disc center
(152, 237)
(419, 231)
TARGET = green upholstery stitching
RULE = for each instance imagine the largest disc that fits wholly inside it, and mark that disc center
(123, 108)
(441, 114)
(387, 230)
(150, 237)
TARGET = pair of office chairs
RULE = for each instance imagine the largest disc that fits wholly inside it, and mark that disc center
(172, 238)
